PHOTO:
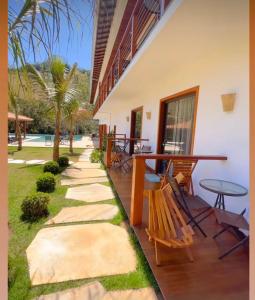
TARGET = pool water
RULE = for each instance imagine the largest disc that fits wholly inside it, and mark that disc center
(41, 137)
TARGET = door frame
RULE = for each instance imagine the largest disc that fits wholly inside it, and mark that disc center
(132, 126)
(162, 111)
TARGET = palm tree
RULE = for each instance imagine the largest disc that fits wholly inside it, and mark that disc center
(37, 24)
(71, 110)
(57, 89)
(14, 104)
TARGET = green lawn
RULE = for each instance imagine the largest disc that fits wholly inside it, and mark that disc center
(40, 153)
(22, 180)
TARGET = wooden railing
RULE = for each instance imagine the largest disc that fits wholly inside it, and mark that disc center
(110, 142)
(143, 18)
(139, 167)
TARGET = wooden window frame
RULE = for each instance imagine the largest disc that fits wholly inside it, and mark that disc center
(162, 110)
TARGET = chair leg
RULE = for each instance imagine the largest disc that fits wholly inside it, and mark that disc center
(157, 254)
(242, 242)
(189, 253)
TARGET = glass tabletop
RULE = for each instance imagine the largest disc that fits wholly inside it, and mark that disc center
(223, 187)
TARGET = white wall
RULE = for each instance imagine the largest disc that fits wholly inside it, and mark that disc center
(203, 43)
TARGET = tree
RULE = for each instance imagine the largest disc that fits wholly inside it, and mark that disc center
(71, 110)
(58, 90)
(14, 104)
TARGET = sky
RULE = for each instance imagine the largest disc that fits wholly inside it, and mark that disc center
(76, 50)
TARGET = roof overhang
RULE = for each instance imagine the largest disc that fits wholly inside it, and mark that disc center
(104, 14)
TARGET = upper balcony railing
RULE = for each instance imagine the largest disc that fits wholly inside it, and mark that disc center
(145, 15)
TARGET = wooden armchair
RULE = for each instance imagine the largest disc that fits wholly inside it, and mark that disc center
(166, 224)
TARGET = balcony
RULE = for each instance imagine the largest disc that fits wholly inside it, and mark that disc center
(144, 17)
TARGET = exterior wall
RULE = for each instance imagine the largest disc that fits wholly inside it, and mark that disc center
(204, 43)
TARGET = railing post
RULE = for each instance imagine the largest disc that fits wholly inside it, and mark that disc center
(119, 64)
(136, 214)
(108, 159)
(133, 35)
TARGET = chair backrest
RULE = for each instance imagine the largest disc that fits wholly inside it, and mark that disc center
(146, 148)
(167, 223)
(177, 166)
(186, 167)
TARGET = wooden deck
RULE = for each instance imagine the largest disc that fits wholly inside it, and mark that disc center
(208, 278)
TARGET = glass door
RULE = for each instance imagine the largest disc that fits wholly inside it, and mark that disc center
(136, 127)
(177, 126)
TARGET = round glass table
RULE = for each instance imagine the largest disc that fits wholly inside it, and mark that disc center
(223, 188)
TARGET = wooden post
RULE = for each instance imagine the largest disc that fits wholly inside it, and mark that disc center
(137, 191)
(100, 137)
(108, 160)
(25, 129)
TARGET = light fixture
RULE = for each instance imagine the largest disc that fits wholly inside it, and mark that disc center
(127, 118)
(148, 115)
(228, 102)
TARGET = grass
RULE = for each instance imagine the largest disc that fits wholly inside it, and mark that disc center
(22, 180)
(41, 153)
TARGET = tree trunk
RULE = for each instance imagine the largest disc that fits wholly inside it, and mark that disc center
(57, 136)
(71, 134)
(18, 132)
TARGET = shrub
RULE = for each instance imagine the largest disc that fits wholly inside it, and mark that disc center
(35, 206)
(52, 167)
(46, 183)
(63, 161)
(96, 156)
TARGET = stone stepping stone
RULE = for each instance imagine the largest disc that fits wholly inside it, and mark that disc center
(78, 181)
(90, 193)
(132, 294)
(84, 213)
(91, 291)
(73, 252)
(86, 165)
(16, 161)
(35, 162)
(82, 173)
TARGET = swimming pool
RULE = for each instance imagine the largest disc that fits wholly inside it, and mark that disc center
(41, 137)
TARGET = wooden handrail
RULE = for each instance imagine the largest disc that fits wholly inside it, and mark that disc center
(178, 156)
(130, 139)
(138, 27)
(139, 168)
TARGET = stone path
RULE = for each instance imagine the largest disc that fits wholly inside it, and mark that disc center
(95, 291)
(85, 213)
(78, 181)
(72, 252)
(77, 251)
(84, 173)
(90, 193)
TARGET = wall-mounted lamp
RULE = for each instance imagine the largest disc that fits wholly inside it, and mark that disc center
(148, 115)
(228, 102)
(127, 118)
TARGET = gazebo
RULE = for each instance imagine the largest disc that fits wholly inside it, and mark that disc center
(22, 119)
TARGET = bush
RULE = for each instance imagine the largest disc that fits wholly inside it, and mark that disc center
(52, 167)
(63, 161)
(35, 206)
(96, 156)
(46, 183)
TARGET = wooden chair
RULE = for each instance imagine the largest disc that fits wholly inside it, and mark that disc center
(186, 168)
(234, 222)
(189, 204)
(166, 224)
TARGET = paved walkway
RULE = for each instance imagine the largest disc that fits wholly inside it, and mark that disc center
(63, 252)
